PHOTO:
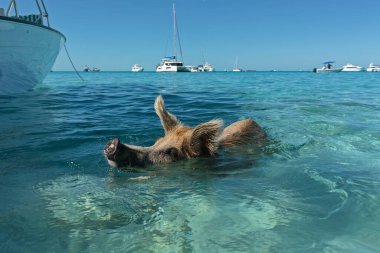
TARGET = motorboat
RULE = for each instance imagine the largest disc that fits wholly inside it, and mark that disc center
(137, 68)
(95, 69)
(171, 63)
(373, 68)
(86, 68)
(28, 47)
(351, 68)
(206, 68)
(327, 68)
(194, 68)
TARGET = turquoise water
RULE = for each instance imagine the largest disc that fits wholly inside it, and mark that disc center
(314, 188)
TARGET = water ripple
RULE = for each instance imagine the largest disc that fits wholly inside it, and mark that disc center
(313, 186)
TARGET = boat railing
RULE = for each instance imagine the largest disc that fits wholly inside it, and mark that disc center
(34, 18)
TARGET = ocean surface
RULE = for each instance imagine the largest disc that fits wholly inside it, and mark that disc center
(315, 187)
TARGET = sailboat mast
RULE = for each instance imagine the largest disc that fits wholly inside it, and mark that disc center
(174, 33)
(176, 37)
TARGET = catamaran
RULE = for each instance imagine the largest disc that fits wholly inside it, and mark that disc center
(28, 47)
(171, 63)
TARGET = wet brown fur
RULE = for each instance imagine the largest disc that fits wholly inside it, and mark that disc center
(182, 142)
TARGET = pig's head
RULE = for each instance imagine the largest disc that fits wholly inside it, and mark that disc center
(180, 142)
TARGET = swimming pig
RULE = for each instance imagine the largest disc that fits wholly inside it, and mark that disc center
(182, 142)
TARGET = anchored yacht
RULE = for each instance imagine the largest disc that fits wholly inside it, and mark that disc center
(137, 68)
(28, 47)
(206, 67)
(373, 68)
(351, 68)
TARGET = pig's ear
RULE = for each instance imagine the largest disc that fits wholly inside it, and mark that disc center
(204, 138)
(168, 120)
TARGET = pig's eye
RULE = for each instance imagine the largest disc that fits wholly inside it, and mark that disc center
(173, 153)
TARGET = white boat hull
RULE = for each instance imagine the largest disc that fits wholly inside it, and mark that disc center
(351, 68)
(206, 68)
(172, 69)
(27, 54)
(373, 69)
(322, 70)
(137, 68)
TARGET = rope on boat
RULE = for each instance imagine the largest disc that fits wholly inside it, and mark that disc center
(72, 64)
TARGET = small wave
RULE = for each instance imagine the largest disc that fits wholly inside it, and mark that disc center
(332, 188)
(285, 150)
(358, 104)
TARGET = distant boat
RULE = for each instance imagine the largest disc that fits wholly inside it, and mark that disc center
(137, 68)
(88, 69)
(373, 68)
(327, 68)
(206, 68)
(28, 47)
(194, 68)
(236, 69)
(351, 68)
(170, 63)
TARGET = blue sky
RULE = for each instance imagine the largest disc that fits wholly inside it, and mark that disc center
(264, 35)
